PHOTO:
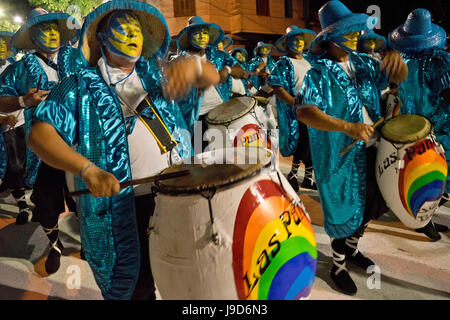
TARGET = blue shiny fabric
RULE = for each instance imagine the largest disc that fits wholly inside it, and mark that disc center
(3, 157)
(23, 75)
(254, 63)
(428, 76)
(283, 75)
(85, 112)
(341, 180)
(191, 104)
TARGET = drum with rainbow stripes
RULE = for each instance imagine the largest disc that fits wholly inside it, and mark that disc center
(411, 169)
(232, 229)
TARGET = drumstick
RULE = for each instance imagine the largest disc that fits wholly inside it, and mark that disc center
(125, 184)
(347, 148)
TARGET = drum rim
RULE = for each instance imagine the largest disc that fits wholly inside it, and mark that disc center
(410, 140)
(221, 122)
(204, 188)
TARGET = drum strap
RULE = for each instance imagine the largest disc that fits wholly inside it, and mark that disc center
(155, 124)
(215, 234)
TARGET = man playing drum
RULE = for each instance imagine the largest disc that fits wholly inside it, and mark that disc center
(340, 102)
(113, 113)
(286, 80)
(426, 91)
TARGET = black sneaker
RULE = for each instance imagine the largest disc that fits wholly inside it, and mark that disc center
(440, 227)
(292, 179)
(53, 261)
(430, 231)
(22, 217)
(343, 281)
(308, 183)
(359, 260)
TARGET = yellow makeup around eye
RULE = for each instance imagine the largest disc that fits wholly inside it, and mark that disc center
(51, 36)
(299, 43)
(370, 43)
(201, 38)
(131, 42)
(240, 57)
(265, 50)
(3, 49)
(352, 42)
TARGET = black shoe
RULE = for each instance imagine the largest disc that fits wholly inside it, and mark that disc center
(440, 227)
(430, 231)
(343, 281)
(292, 179)
(53, 261)
(22, 217)
(359, 260)
(308, 183)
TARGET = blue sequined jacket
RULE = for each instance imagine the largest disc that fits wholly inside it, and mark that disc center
(254, 63)
(428, 76)
(87, 114)
(23, 75)
(341, 180)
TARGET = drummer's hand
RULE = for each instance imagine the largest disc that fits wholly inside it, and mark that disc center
(34, 96)
(11, 120)
(181, 74)
(101, 183)
(359, 131)
(263, 74)
(394, 66)
(238, 72)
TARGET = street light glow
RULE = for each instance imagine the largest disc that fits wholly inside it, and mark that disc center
(18, 19)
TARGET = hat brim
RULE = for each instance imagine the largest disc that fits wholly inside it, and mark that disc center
(402, 41)
(255, 51)
(216, 34)
(67, 30)
(353, 23)
(308, 35)
(232, 52)
(154, 29)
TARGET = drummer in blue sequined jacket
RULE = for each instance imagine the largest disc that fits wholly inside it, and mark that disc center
(94, 110)
(261, 66)
(340, 99)
(200, 38)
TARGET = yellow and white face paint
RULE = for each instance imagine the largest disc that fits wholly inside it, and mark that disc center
(200, 38)
(3, 49)
(220, 46)
(240, 56)
(124, 35)
(46, 36)
(297, 43)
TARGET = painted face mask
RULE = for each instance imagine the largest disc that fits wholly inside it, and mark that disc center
(264, 51)
(3, 49)
(348, 42)
(240, 56)
(297, 44)
(123, 36)
(46, 36)
(220, 46)
(200, 38)
(370, 44)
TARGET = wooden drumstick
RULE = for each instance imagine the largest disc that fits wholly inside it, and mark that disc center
(347, 148)
(125, 184)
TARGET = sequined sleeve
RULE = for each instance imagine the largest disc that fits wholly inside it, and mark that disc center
(59, 110)
(437, 72)
(312, 91)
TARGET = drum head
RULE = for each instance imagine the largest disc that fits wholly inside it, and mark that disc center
(231, 110)
(406, 128)
(215, 169)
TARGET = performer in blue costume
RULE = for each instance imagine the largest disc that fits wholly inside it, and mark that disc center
(341, 94)
(104, 111)
(261, 66)
(241, 55)
(426, 91)
(23, 85)
(200, 38)
(286, 79)
(225, 43)
(371, 43)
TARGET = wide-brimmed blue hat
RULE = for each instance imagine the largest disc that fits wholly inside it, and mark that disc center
(227, 41)
(417, 33)
(337, 20)
(282, 43)
(216, 33)
(235, 50)
(260, 45)
(67, 26)
(154, 29)
(380, 41)
(8, 36)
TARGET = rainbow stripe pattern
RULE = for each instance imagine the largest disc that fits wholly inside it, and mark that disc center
(423, 176)
(274, 248)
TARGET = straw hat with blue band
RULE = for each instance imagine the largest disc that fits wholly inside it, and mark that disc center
(260, 45)
(8, 36)
(22, 38)
(154, 29)
(337, 20)
(380, 41)
(216, 33)
(417, 33)
(283, 43)
(227, 41)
